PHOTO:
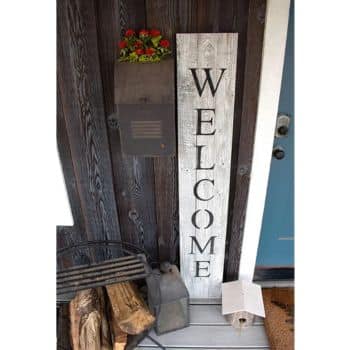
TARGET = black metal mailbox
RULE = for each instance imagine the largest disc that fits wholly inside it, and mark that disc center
(145, 107)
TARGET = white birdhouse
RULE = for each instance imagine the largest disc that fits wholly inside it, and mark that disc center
(241, 302)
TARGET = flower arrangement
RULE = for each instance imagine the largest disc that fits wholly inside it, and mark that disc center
(146, 46)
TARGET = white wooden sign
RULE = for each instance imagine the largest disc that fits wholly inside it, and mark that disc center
(206, 73)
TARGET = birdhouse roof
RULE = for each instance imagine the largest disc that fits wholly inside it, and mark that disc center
(242, 296)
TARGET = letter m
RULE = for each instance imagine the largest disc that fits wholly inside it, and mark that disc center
(207, 80)
(210, 241)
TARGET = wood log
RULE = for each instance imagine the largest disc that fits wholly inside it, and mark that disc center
(120, 338)
(89, 327)
(106, 343)
(129, 311)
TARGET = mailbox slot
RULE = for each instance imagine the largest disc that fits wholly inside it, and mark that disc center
(145, 108)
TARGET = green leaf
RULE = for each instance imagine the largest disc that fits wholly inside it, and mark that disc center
(156, 40)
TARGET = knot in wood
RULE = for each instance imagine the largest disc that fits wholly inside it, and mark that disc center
(243, 170)
(133, 216)
(260, 14)
(112, 121)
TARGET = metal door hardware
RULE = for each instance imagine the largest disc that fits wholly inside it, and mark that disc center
(282, 126)
(278, 153)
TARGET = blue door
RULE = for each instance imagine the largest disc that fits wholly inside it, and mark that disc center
(276, 248)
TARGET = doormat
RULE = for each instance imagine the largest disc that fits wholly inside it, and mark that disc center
(279, 321)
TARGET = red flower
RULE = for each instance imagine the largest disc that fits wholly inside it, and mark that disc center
(138, 44)
(150, 51)
(164, 43)
(139, 52)
(129, 32)
(144, 32)
(122, 44)
(154, 32)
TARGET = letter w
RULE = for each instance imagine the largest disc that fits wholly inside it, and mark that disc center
(207, 79)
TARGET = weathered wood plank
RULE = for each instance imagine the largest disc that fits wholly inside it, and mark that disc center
(67, 165)
(248, 110)
(165, 178)
(198, 16)
(67, 236)
(63, 328)
(205, 120)
(79, 82)
(133, 177)
(107, 35)
(164, 16)
(135, 193)
(211, 337)
(131, 14)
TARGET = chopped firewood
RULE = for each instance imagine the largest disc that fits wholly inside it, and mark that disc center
(120, 338)
(89, 337)
(105, 330)
(89, 328)
(130, 312)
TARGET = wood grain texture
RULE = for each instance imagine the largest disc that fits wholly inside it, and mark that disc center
(166, 187)
(135, 193)
(79, 81)
(133, 177)
(67, 236)
(65, 156)
(164, 16)
(89, 328)
(130, 14)
(198, 16)
(63, 327)
(215, 51)
(129, 310)
(111, 18)
(248, 106)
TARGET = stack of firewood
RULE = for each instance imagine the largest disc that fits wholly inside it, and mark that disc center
(102, 318)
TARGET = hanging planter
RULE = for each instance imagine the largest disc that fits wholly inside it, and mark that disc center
(145, 95)
(147, 46)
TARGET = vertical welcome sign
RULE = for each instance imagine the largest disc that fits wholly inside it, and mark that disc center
(206, 71)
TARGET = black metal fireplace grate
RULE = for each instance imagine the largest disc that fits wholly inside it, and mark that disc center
(70, 280)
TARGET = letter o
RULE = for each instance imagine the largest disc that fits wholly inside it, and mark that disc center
(211, 218)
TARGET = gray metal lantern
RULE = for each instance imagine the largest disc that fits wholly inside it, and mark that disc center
(169, 300)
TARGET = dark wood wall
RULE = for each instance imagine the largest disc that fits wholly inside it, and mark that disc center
(135, 199)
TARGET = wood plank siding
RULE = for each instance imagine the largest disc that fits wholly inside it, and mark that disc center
(133, 198)
(113, 196)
